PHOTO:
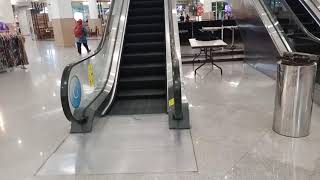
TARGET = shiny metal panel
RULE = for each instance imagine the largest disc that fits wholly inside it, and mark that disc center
(178, 106)
(294, 99)
(313, 7)
(124, 144)
(260, 49)
(114, 70)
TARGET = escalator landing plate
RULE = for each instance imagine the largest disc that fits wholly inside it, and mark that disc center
(124, 144)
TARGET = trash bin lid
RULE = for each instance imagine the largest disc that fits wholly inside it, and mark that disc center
(299, 59)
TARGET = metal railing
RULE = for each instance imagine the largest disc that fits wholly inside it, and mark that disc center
(100, 63)
(177, 101)
(294, 17)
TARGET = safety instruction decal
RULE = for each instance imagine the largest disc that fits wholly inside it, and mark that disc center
(75, 92)
(171, 102)
(90, 75)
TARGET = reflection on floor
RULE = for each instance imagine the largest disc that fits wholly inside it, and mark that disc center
(231, 120)
(32, 123)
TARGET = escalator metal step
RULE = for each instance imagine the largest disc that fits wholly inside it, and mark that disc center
(142, 93)
(145, 11)
(142, 69)
(145, 37)
(139, 58)
(142, 47)
(145, 19)
(147, 4)
(145, 28)
(139, 106)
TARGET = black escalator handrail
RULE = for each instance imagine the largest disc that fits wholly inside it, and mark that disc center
(64, 87)
(297, 20)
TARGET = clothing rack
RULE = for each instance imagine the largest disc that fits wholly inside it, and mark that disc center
(12, 51)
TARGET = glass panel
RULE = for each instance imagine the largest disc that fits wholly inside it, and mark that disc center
(297, 35)
(88, 78)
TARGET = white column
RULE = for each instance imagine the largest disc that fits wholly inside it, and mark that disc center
(49, 6)
(62, 21)
(61, 9)
(23, 20)
(94, 22)
(6, 12)
(93, 9)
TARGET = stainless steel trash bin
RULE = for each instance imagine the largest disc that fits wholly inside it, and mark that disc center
(294, 98)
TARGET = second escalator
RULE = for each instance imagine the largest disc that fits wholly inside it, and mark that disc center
(300, 9)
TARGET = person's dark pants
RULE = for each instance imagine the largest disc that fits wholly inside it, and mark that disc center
(85, 45)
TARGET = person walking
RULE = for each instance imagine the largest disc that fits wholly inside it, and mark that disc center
(81, 34)
(187, 18)
(181, 18)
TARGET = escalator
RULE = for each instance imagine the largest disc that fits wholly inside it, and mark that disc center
(305, 15)
(136, 69)
(142, 80)
(298, 25)
(272, 28)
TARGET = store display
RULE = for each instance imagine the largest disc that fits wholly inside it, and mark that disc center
(3, 27)
(12, 51)
(40, 21)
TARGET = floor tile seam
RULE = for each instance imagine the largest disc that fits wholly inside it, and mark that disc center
(259, 139)
(54, 151)
(186, 173)
(194, 152)
(183, 172)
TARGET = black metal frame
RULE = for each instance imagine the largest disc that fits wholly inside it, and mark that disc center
(205, 51)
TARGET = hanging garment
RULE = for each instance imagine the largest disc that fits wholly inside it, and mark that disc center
(12, 51)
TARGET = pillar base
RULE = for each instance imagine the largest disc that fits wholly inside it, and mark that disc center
(93, 23)
(63, 31)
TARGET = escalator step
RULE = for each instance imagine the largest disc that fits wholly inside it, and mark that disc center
(145, 37)
(143, 79)
(142, 82)
(146, 4)
(145, 11)
(139, 106)
(142, 69)
(144, 47)
(142, 93)
(145, 28)
(144, 66)
(136, 58)
(145, 19)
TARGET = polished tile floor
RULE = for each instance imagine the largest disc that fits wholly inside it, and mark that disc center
(231, 120)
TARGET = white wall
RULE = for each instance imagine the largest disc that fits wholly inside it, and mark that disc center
(60, 9)
(23, 20)
(6, 12)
